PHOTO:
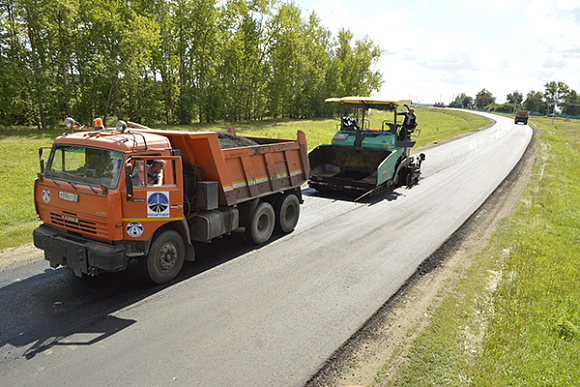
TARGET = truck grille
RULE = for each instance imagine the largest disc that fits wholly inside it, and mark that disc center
(79, 223)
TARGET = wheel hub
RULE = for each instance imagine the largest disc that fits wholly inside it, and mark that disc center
(167, 257)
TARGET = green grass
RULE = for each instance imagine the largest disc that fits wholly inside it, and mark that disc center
(318, 131)
(20, 163)
(18, 169)
(514, 317)
(439, 124)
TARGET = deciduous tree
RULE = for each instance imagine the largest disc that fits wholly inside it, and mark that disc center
(484, 98)
(515, 99)
(462, 100)
(571, 104)
(555, 94)
(535, 102)
(173, 61)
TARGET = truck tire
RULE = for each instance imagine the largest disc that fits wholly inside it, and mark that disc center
(165, 258)
(262, 224)
(287, 213)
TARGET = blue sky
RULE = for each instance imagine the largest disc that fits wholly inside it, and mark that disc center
(435, 50)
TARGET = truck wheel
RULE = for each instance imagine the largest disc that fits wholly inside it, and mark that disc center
(287, 213)
(262, 224)
(165, 259)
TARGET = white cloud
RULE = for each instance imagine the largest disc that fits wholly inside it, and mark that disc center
(440, 49)
(336, 16)
(555, 24)
(554, 61)
(496, 5)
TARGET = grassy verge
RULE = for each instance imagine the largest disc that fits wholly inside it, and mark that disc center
(18, 169)
(19, 153)
(514, 317)
(439, 124)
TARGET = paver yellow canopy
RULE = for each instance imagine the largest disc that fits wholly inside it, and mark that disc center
(365, 159)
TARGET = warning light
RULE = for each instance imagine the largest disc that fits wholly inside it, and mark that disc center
(98, 124)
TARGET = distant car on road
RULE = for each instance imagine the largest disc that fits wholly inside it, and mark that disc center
(522, 116)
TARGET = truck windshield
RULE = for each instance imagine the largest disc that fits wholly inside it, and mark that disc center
(84, 165)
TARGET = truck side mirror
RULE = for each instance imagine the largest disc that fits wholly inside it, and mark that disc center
(40, 153)
(128, 181)
(42, 163)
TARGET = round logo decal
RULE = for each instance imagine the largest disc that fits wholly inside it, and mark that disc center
(135, 229)
(46, 195)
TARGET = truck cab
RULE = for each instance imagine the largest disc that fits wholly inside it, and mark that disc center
(93, 198)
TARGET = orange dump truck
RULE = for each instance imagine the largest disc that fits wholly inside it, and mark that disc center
(521, 116)
(111, 195)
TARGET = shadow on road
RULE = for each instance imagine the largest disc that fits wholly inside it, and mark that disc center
(347, 196)
(56, 308)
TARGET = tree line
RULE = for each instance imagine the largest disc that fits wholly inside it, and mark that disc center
(557, 97)
(173, 61)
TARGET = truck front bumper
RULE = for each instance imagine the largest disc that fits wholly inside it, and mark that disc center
(79, 254)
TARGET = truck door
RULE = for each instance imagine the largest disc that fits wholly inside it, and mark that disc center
(151, 205)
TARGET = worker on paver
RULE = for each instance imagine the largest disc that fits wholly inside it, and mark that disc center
(409, 124)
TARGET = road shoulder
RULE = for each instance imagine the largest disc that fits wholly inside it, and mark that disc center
(17, 256)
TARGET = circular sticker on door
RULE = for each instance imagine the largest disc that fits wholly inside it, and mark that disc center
(46, 195)
(135, 229)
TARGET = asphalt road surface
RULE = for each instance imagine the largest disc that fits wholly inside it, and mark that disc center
(242, 316)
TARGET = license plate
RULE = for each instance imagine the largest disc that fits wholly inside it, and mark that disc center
(71, 197)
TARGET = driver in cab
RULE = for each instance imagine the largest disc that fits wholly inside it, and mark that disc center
(155, 172)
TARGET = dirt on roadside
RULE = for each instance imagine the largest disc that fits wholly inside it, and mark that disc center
(395, 326)
(16, 256)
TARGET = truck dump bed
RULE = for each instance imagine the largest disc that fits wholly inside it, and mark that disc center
(243, 173)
